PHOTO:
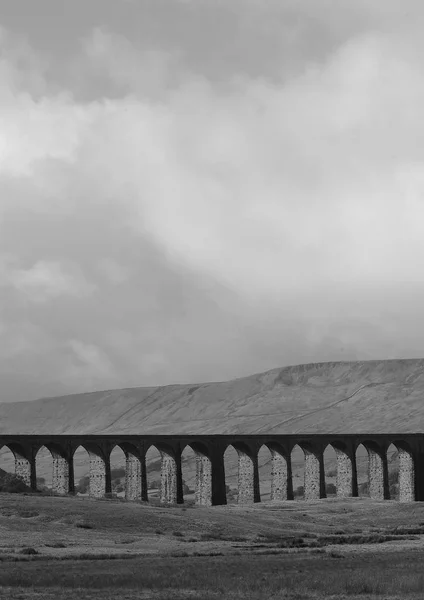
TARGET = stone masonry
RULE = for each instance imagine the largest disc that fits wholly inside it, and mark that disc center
(281, 479)
(248, 478)
(378, 479)
(346, 474)
(210, 466)
(406, 476)
(203, 480)
(133, 477)
(314, 487)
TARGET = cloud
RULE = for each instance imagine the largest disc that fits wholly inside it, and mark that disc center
(177, 228)
(44, 281)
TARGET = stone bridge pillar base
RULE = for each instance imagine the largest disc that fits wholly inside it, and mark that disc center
(378, 478)
(346, 481)
(60, 479)
(171, 489)
(133, 477)
(99, 473)
(281, 477)
(203, 480)
(25, 468)
(248, 478)
(314, 487)
(406, 477)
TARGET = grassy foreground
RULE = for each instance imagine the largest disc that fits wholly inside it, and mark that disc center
(76, 548)
(296, 576)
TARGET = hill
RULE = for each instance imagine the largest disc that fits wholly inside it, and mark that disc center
(346, 397)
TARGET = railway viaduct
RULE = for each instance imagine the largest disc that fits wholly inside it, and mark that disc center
(210, 472)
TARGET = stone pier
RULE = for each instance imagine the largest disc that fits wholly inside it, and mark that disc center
(406, 476)
(60, 478)
(99, 473)
(203, 480)
(248, 477)
(378, 479)
(25, 468)
(314, 487)
(346, 479)
(281, 476)
(171, 489)
(133, 477)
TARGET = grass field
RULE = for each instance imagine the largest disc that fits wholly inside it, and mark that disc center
(79, 548)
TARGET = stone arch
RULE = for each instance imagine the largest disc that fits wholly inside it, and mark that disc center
(340, 469)
(197, 472)
(247, 472)
(361, 459)
(405, 467)
(99, 481)
(330, 470)
(171, 489)
(16, 460)
(135, 474)
(54, 457)
(377, 473)
(24, 463)
(118, 470)
(265, 472)
(278, 471)
(297, 460)
(153, 472)
(230, 462)
(314, 476)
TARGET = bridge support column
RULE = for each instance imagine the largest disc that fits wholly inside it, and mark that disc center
(406, 476)
(25, 468)
(314, 487)
(60, 478)
(203, 480)
(346, 480)
(378, 477)
(99, 473)
(281, 476)
(133, 477)
(171, 489)
(248, 478)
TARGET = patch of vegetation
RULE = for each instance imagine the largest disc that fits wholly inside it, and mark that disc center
(13, 484)
(28, 551)
(83, 525)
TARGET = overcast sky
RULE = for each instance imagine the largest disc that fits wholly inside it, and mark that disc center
(200, 190)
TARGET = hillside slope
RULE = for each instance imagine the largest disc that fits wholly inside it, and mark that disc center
(348, 397)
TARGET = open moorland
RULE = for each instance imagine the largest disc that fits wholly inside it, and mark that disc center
(76, 547)
(52, 547)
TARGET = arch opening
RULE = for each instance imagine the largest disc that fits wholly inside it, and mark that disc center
(401, 472)
(362, 470)
(44, 469)
(118, 472)
(266, 472)
(190, 475)
(393, 471)
(331, 471)
(298, 472)
(12, 479)
(247, 473)
(231, 474)
(153, 474)
(93, 479)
